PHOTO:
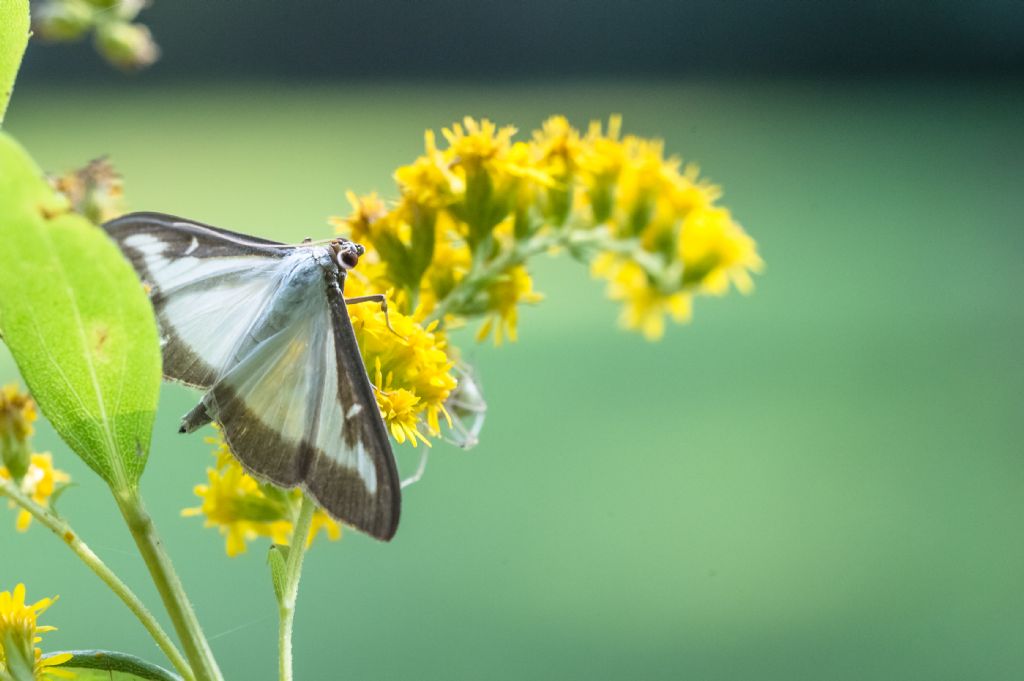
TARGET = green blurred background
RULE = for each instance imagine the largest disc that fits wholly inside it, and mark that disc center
(823, 480)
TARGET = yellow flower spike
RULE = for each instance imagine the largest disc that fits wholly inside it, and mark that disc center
(40, 482)
(19, 628)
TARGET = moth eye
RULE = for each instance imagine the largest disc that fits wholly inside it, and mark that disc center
(349, 259)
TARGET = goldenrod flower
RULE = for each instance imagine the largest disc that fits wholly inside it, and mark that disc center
(645, 306)
(474, 143)
(244, 509)
(40, 482)
(455, 245)
(715, 251)
(409, 368)
(19, 633)
(428, 180)
(504, 296)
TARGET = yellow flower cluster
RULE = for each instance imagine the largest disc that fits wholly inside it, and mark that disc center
(244, 509)
(455, 244)
(33, 474)
(19, 634)
(407, 364)
(671, 240)
(457, 213)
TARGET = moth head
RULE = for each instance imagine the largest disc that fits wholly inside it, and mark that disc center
(347, 253)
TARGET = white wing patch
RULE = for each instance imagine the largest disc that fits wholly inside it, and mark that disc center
(209, 303)
(330, 438)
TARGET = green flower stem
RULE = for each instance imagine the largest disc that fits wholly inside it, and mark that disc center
(63, 530)
(293, 572)
(483, 274)
(176, 601)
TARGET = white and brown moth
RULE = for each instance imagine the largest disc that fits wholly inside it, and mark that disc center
(263, 328)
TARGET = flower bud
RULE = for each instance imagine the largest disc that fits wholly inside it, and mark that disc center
(62, 20)
(17, 412)
(127, 46)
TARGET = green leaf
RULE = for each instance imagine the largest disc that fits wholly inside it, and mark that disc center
(278, 560)
(77, 322)
(14, 31)
(106, 665)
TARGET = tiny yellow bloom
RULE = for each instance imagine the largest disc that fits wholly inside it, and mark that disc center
(478, 142)
(716, 251)
(19, 632)
(504, 296)
(428, 180)
(39, 482)
(409, 367)
(645, 306)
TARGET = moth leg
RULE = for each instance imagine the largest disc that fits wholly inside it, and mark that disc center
(376, 298)
(415, 477)
(381, 391)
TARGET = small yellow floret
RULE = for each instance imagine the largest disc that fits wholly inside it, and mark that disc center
(19, 627)
(39, 483)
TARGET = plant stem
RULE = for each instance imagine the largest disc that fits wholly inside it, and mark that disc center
(176, 602)
(293, 572)
(63, 530)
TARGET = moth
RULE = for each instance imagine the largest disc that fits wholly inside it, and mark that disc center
(263, 328)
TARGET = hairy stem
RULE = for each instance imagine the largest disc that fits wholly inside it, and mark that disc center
(293, 572)
(62, 529)
(176, 601)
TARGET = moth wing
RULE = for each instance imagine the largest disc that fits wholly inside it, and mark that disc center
(209, 287)
(299, 410)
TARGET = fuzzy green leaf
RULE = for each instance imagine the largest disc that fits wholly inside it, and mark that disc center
(106, 665)
(77, 322)
(14, 31)
(278, 560)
